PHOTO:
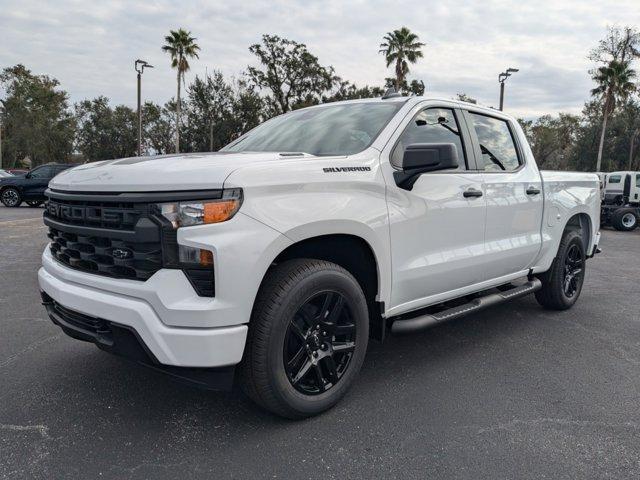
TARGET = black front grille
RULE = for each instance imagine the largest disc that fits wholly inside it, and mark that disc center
(113, 238)
(106, 256)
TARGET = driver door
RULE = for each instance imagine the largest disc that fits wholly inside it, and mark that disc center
(437, 227)
(38, 181)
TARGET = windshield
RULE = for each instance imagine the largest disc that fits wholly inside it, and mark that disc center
(332, 130)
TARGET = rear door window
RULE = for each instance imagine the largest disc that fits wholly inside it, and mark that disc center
(499, 152)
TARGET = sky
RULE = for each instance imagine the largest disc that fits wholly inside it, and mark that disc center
(90, 46)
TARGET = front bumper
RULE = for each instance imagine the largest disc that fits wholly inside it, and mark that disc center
(169, 345)
(174, 325)
(125, 342)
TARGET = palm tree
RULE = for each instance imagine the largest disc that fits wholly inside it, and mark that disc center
(402, 47)
(615, 83)
(181, 46)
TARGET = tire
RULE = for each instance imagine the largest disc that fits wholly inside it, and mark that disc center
(559, 290)
(291, 300)
(624, 219)
(11, 197)
(34, 203)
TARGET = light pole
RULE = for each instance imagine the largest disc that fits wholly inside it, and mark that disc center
(502, 78)
(140, 66)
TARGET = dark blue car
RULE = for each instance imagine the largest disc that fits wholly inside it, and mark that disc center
(29, 187)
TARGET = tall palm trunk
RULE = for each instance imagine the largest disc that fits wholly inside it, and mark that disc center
(605, 117)
(632, 147)
(398, 74)
(601, 146)
(178, 116)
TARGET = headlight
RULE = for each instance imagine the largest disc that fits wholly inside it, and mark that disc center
(200, 212)
(196, 263)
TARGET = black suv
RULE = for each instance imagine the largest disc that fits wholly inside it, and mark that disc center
(29, 187)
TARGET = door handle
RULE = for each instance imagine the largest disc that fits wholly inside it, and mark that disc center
(471, 193)
(533, 191)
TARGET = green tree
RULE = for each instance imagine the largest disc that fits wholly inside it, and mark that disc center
(621, 44)
(210, 109)
(181, 46)
(344, 90)
(248, 109)
(36, 122)
(416, 87)
(463, 97)
(614, 83)
(401, 47)
(158, 136)
(552, 140)
(103, 132)
(290, 73)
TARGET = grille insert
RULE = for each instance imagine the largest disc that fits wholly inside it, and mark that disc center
(107, 256)
(105, 236)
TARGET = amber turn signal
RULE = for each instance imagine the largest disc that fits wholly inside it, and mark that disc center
(220, 211)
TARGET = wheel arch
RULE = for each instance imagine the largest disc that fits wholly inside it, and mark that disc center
(354, 254)
(581, 222)
(5, 187)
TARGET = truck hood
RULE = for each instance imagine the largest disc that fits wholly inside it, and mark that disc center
(195, 171)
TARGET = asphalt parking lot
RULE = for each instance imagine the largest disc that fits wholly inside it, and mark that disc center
(512, 392)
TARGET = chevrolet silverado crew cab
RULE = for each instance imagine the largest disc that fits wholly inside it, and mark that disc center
(272, 262)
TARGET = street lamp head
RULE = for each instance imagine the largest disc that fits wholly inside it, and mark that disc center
(504, 75)
(141, 64)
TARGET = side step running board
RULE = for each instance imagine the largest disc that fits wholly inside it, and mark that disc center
(426, 321)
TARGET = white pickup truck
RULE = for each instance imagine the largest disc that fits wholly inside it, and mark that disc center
(274, 261)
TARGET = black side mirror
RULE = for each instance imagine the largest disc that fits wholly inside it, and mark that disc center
(420, 158)
(27, 175)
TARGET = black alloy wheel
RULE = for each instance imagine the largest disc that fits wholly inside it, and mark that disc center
(562, 283)
(307, 338)
(319, 343)
(573, 270)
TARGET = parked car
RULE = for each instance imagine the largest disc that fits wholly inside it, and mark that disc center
(29, 187)
(621, 200)
(280, 256)
(4, 173)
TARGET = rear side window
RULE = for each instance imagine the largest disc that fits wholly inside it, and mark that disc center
(42, 172)
(638, 181)
(433, 125)
(615, 179)
(499, 153)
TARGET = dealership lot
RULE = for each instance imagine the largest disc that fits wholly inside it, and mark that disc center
(512, 392)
